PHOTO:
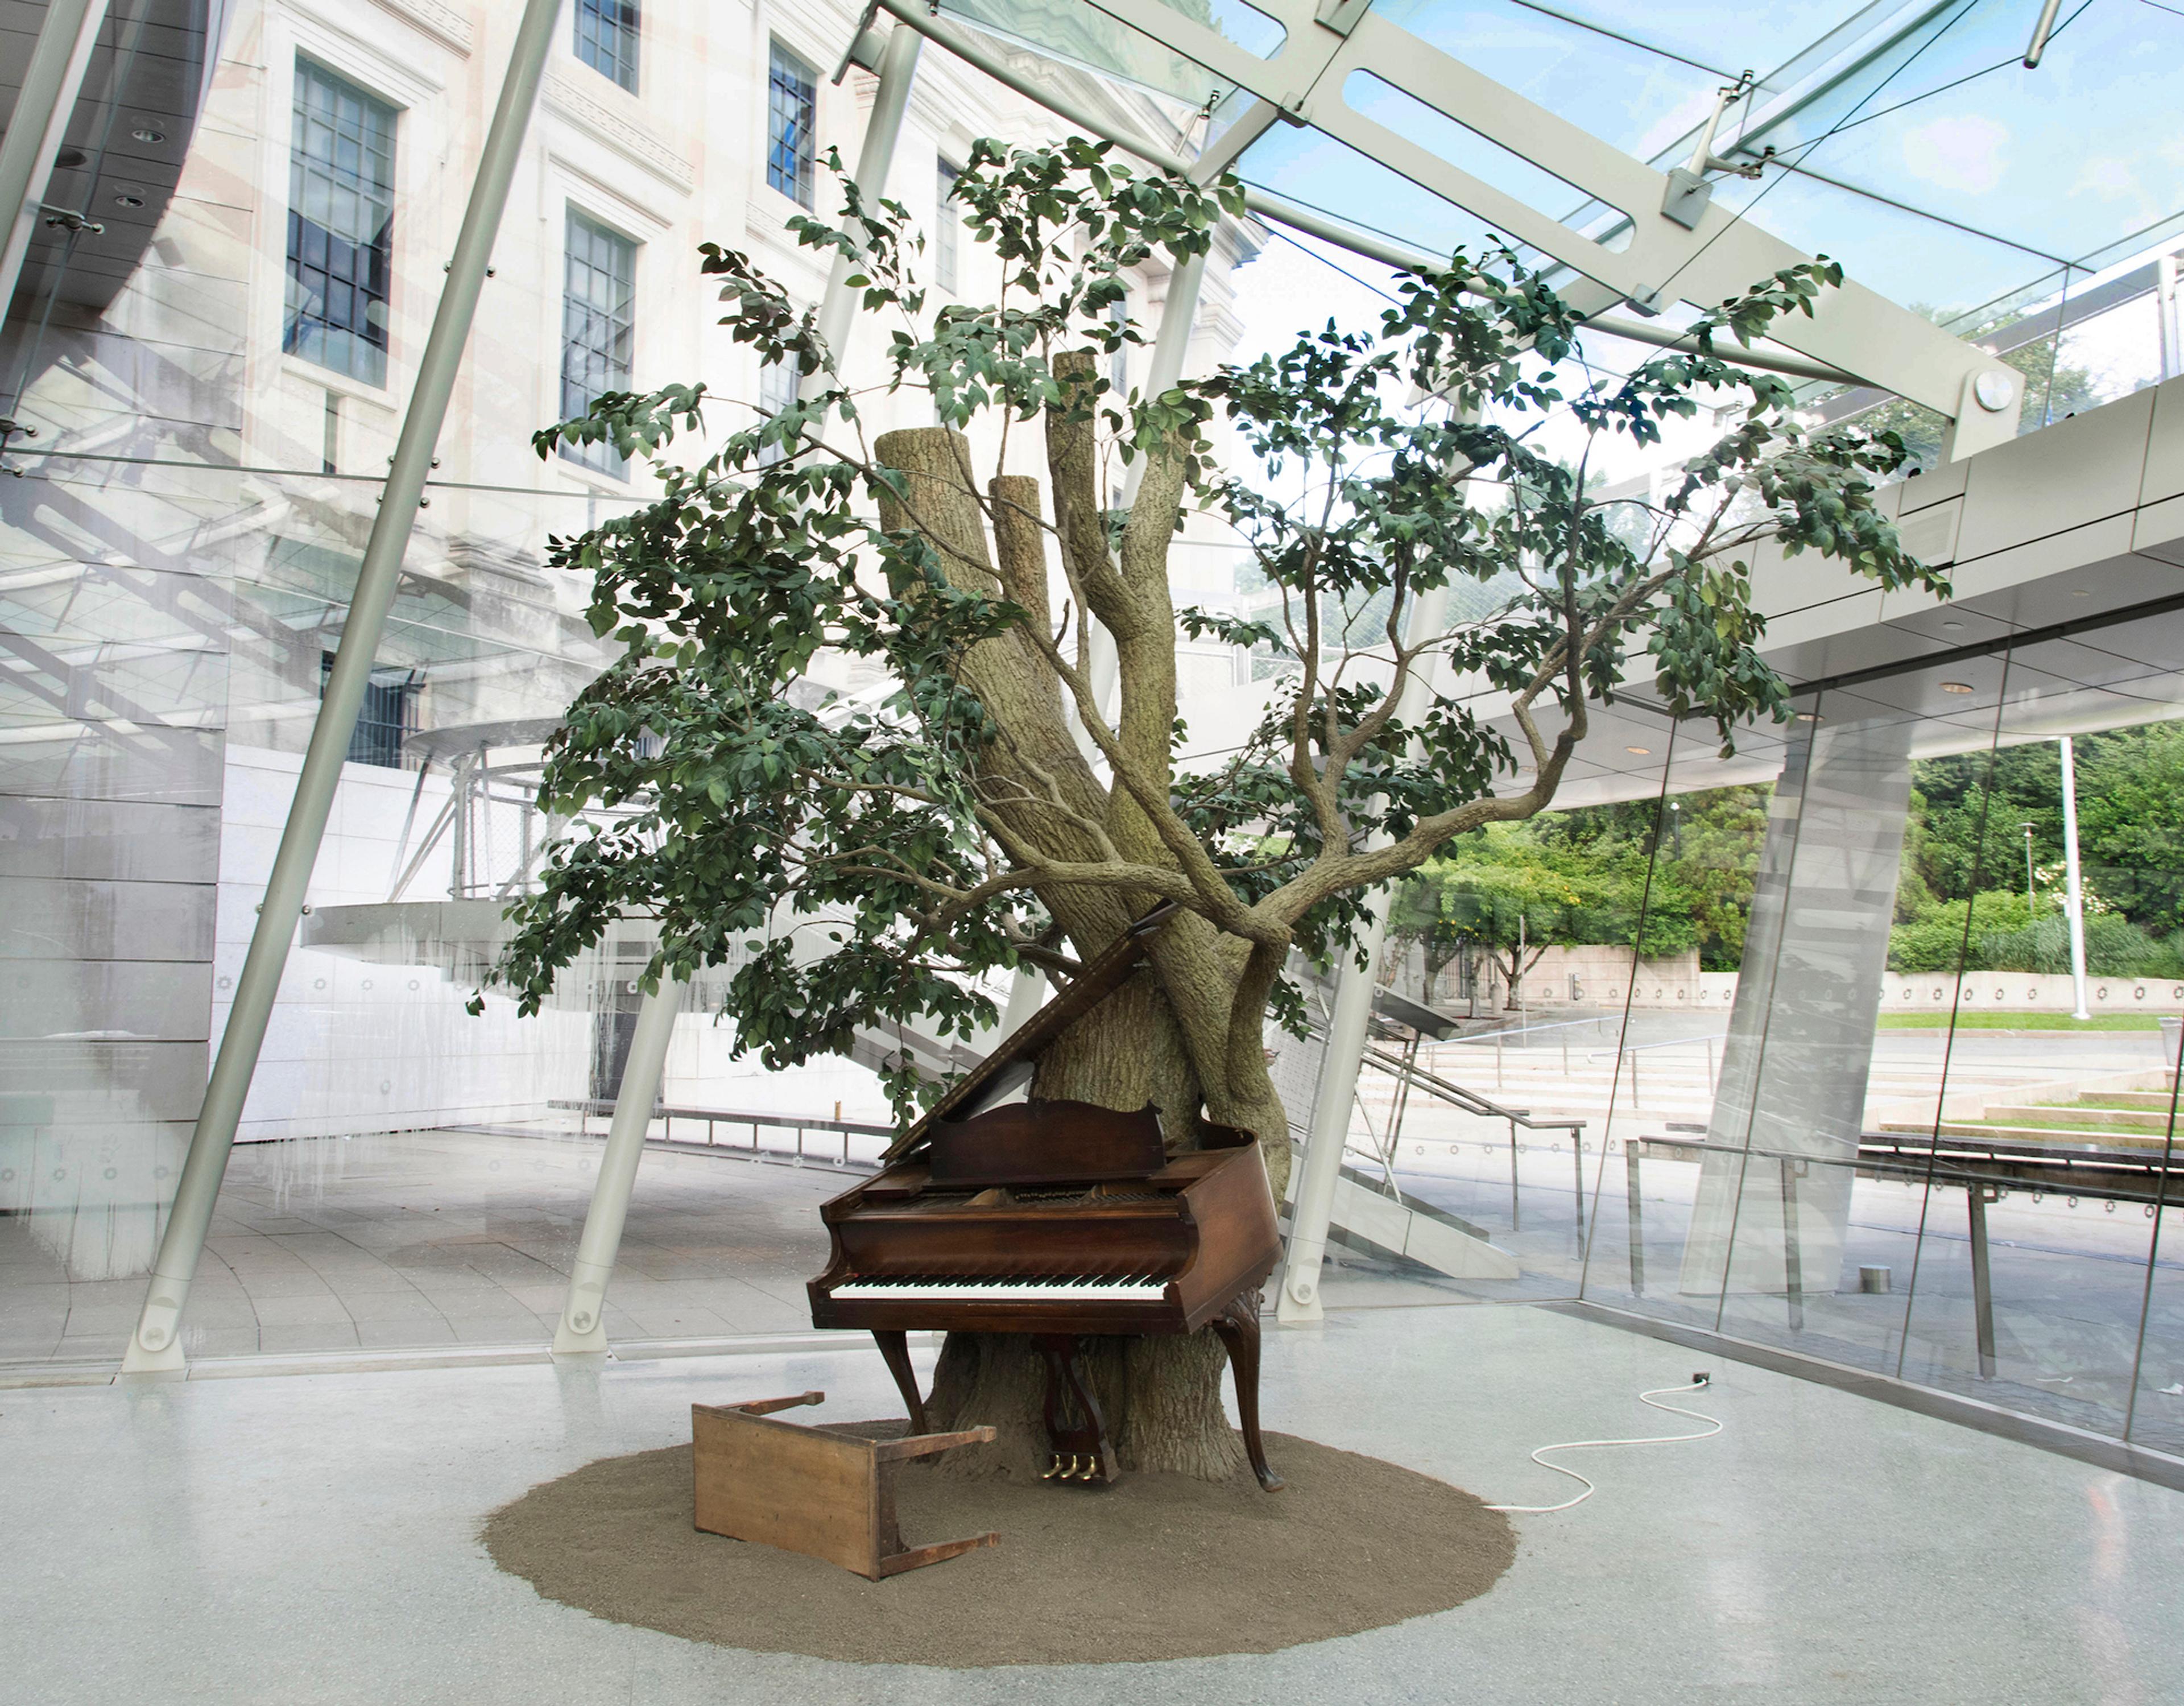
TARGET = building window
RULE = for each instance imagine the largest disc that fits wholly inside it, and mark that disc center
(777, 390)
(388, 717)
(606, 39)
(791, 118)
(947, 225)
(341, 225)
(599, 325)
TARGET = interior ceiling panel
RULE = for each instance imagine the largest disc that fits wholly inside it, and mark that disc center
(123, 151)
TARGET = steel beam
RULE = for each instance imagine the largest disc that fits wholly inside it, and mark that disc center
(156, 1345)
(1298, 1304)
(898, 71)
(1720, 255)
(583, 1316)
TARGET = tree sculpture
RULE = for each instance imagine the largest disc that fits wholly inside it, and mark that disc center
(859, 865)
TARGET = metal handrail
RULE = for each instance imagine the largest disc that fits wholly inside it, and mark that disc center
(1709, 1038)
(1469, 1100)
(716, 1117)
(1526, 1030)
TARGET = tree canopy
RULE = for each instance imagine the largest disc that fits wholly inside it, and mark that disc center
(862, 861)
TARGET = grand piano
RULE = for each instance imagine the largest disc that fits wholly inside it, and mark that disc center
(1061, 1220)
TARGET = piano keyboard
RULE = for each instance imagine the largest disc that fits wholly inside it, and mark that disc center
(1138, 1288)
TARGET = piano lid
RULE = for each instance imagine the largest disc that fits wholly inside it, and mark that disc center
(990, 1078)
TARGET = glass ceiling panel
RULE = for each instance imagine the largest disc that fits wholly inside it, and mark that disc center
(1909, 259)
(1308, 166)
(1704, 33)
(2068, 159)
(1079, 34)
(1939, 171)
(1638, 100)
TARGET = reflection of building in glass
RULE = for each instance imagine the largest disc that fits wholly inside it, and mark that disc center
(340, 224)
(227, 387)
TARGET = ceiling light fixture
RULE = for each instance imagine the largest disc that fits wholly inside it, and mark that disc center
(126, 200)
(1956, 687)
(1643, 751)
(145, 133)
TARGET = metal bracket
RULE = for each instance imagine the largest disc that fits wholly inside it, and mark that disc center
(1340, 16)
(67, 219)
(866, 46)
(1686, 199)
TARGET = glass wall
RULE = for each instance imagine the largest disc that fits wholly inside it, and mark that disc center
(1922, 1157)
(1790, 1047)
(192, 481)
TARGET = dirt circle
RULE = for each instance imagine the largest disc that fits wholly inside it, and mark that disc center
(1155, 1566)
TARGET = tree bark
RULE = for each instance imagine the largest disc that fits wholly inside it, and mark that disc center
(1161, 1396)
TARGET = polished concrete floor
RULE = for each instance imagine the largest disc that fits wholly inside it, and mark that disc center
(309, 1539)
(443, 1240)
(416, 1239)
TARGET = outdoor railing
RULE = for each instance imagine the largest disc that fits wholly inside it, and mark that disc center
(714, 1119)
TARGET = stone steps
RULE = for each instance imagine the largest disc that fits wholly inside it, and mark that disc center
(2116, 1118)
(2048, 1136)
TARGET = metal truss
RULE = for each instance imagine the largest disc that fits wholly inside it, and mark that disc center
(1680, 246)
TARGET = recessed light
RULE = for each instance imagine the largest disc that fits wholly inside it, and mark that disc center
(1643, 751)
(1956, 687)
(1809, 716)
(145, 133)
(125, 200)
(1953, 627)
(2081, 593)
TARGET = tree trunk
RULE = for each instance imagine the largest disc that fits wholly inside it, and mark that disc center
(1161, 1396)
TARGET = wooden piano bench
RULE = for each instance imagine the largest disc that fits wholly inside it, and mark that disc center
(826, 1495)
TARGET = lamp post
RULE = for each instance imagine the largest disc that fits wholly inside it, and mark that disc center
(2030, 902)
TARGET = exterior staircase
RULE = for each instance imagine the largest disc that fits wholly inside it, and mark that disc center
(2129, 1111)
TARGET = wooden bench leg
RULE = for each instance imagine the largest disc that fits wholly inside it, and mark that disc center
(895, 1348)
(1239, 1328)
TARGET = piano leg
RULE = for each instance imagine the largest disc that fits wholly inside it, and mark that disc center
(895, 1348)
(1239, 1328)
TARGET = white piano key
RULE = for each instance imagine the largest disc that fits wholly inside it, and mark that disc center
(995, 1289)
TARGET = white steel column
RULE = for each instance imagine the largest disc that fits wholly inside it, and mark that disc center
(2164, 313)
(66, 36)
(2073, 894)
(582, 1327)
(156, 1344)
(583, 1317)
(1298, 1304)
(898, 71)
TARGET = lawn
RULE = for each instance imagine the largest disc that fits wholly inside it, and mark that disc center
(1994, 1019)
(2140, 1136)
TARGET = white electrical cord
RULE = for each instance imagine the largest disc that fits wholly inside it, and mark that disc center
(1699, 1383)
